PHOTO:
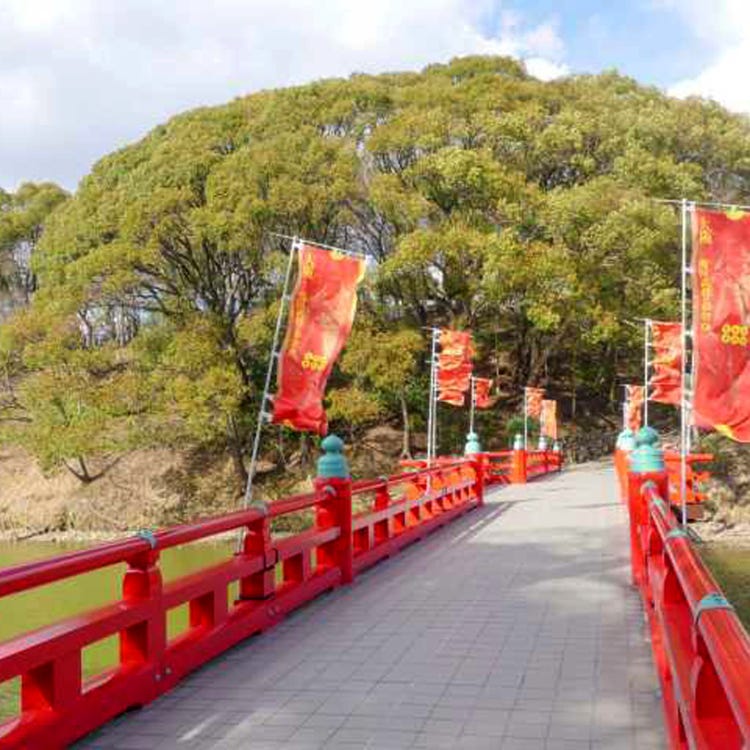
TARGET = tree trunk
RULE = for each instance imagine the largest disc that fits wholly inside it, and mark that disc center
(406, 429)
(82, 472)
(235, 443)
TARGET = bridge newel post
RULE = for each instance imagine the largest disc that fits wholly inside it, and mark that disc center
(146, 640)
(479, 464)
(646, 465)
(335, 481)
(623, 447)
(257, 543)
(518, 465)
(473, 451)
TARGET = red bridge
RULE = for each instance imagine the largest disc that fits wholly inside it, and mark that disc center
(514, 625)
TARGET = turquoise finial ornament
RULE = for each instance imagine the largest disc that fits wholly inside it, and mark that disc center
(647, 436)
(332, 464)
(626, 440)
(472, 444)
(518, 442)
(648, 456)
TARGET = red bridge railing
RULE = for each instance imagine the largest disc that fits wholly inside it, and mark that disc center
(701, 650)
(355, 525)
(694, 479)
(509, 466)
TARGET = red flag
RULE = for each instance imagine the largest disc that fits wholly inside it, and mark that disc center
(665, 381)
(721, 322)
(454, 366)
(482, 398)
(634, 408)
(548, 418)
(534, 397)
(320, 319)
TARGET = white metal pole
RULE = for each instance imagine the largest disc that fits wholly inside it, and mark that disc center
(646, 329)
(525, 419)
(435, 394)
(262, 413)
(431, 405)
(473, 382)
(684, 428)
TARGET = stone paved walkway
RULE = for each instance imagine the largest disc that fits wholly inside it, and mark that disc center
(514, 627)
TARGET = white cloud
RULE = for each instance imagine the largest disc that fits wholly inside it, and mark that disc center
(545, 70)
(725, 27)
(79, 78)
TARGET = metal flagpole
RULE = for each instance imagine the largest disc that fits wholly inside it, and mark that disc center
(646, 328)
(263, 415)
(431, 405)
(435, 391)
(473, 381)
(525, 418)
(684, 428)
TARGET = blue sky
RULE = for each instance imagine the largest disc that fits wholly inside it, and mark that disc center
(79, 78)
(654, 45)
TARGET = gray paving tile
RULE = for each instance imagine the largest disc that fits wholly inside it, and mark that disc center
(513, 628)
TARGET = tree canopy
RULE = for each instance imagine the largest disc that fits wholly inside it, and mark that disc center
(523, 210)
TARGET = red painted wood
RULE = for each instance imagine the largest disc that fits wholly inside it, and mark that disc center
(58, 707)
(702, 657)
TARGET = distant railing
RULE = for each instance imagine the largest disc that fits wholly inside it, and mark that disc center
(701, 650)
(694, 479)
(275, 575)
(509, 466)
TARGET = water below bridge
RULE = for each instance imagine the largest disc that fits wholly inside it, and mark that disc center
(514, 627)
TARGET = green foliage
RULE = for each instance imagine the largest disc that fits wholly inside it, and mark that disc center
(22, 217)
(491, 200)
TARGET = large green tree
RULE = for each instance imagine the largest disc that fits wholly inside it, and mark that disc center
(522, 209)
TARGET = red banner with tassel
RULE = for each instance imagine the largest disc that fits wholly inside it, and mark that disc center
(320, 319)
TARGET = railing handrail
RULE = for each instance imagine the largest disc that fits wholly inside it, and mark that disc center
(701, 648)
(24, 576)
(274, 573)
(726, 639)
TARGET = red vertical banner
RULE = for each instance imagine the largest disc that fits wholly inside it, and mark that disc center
(665, 384)
(482, 398)
(634, 407)
(320, 319)
(548, 419)
(721, 322)
(534, 398)
(454, 366)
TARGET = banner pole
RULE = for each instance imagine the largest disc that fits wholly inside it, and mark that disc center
(525, 418)
(248, 498)
(435, 392)
(473, 401)
(646, 328)
(683, 395)
(431, 402)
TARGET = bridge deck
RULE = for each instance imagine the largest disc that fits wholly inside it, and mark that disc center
(514, 627)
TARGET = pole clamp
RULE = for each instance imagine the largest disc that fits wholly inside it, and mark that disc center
(714, 600)
(148, 536)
